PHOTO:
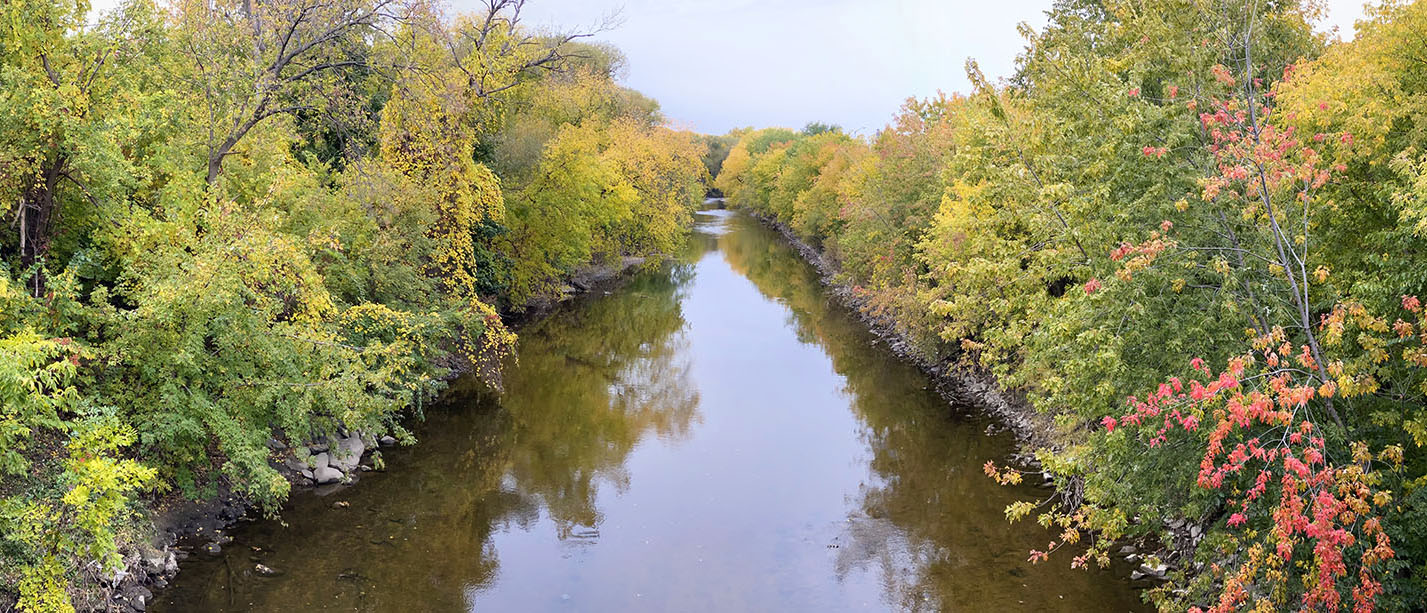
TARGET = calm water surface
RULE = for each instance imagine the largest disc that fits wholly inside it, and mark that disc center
(714, 436)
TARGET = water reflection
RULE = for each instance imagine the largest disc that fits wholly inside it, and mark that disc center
(713, 436)
(926, 521)
(590, 384)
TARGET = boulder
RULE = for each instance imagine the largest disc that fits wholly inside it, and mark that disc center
(155, 560)
(348, 453)
(326, 475)
(387, 441)
(137, 597)
(321, 460)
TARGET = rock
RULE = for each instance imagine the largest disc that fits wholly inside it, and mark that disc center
(155, 560)
(276, 445)
(387, 441)
(212, 549)
(307, 472)
(1136, 575)
(318, 446)
(137, 597)
(321, 460)
(265, 571)
(348, 453)
(1157, 569)
(295, 465)
(326, 475)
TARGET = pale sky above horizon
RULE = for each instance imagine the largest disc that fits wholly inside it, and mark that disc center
(715, 65)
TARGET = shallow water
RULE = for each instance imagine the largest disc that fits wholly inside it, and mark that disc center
(716, 435)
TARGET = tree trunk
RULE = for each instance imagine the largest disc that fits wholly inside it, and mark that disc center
(37, 216)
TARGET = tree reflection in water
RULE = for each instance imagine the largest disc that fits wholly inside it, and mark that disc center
(926, 521)
(811, 470)
(592, 380)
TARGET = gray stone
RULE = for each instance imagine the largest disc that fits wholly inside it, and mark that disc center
(326, 474)
(387, 441)
(348, 453)
(295, 465)
(321, 460)
(307, 472)
(154, 560)
(137, 596)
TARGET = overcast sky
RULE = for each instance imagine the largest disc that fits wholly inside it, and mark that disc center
(720, 64)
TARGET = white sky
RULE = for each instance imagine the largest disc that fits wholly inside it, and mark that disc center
(719, 64)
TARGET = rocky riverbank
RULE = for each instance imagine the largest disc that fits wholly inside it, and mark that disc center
(968, 386)
(186, 527)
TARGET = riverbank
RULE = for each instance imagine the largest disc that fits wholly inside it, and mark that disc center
(182, 528)
(970, 386)
(642, 457)
(959, 383)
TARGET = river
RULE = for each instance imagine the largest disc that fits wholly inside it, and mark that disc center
(714, 435)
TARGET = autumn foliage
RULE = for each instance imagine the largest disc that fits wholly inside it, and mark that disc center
(1191, 233)
(233, 228)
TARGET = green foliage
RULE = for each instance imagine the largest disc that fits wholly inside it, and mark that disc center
(1084, 230)
(601, 192)
(235, 221)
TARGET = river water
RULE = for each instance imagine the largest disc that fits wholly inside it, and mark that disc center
(715, 435)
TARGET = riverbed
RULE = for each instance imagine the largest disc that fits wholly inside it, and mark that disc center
(714, 435)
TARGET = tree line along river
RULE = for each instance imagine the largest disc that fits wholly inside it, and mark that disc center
(714, 435)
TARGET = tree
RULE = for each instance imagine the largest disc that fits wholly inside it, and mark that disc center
(63, 86)
(252, 60)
